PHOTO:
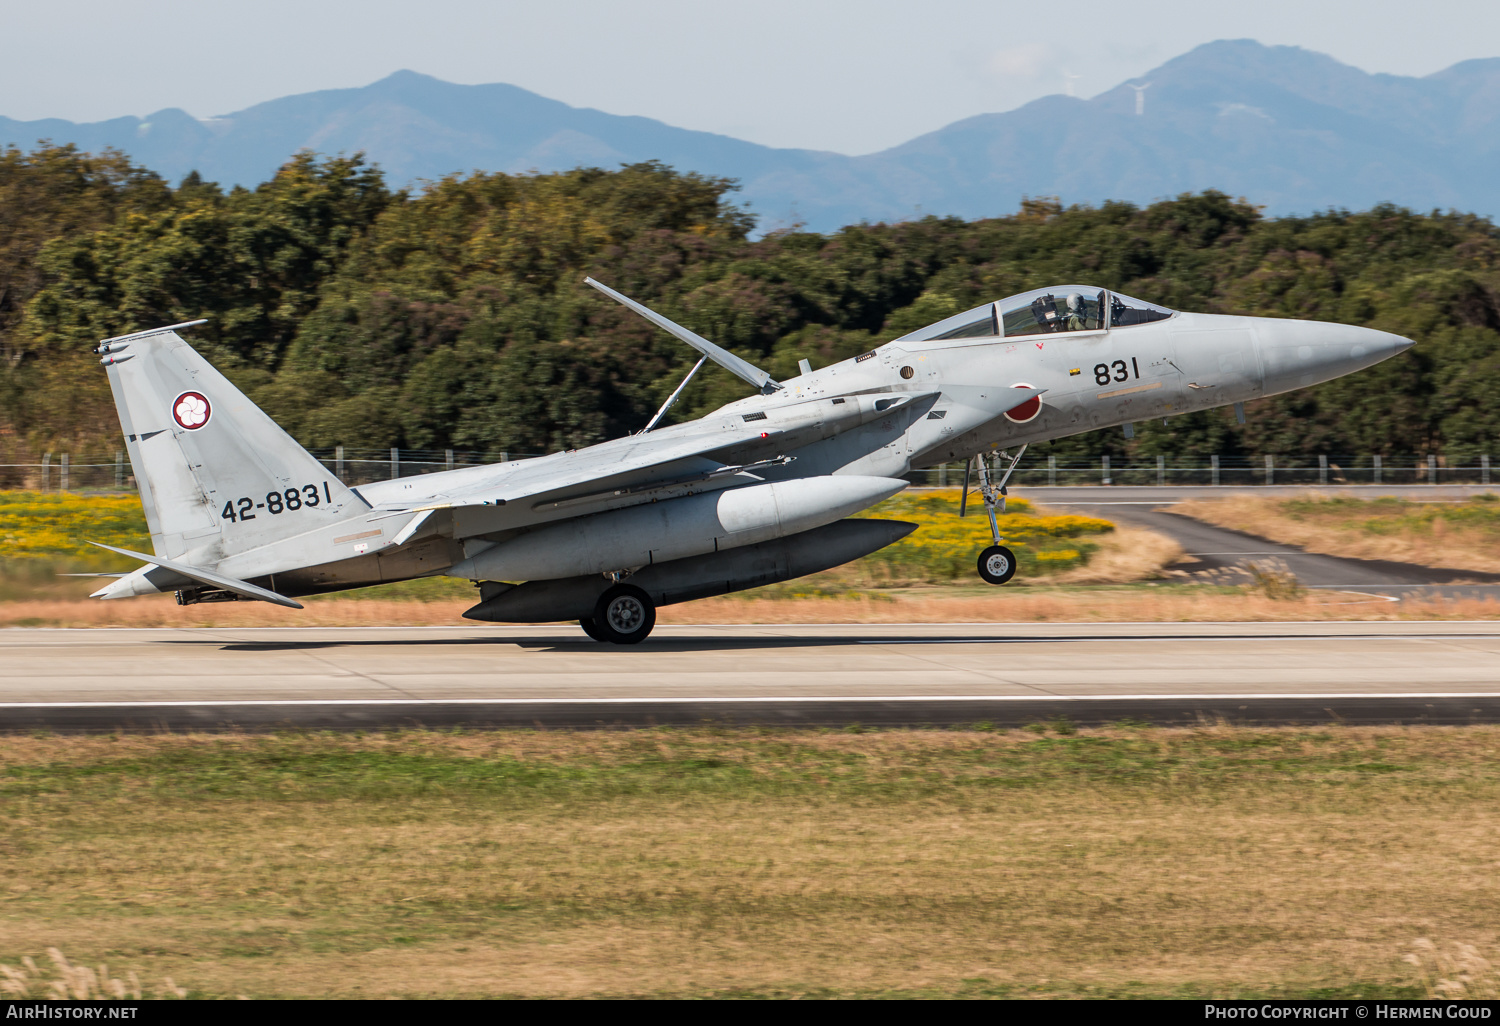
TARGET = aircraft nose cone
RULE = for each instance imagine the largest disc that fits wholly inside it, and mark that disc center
(1370, 342)
(1301, 353)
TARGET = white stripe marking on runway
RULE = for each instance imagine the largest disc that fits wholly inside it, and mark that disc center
(1180, 637)
(747, 698)
(731, 626)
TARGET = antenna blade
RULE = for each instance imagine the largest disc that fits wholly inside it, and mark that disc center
(723, 357)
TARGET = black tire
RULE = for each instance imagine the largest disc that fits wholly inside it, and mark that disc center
(997, 564)
(624, 615)
(591, 628)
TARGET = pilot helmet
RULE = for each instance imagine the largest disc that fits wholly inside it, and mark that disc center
(1075, 302)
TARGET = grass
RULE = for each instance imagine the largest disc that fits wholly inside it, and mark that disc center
(1142, 604)
(1451, 535)
(53, 529)
(45, 535)
(1150, 602)
(927, 577)
(719, 862)
(945, 546)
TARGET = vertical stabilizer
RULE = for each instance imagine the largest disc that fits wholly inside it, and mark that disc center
(217, 476)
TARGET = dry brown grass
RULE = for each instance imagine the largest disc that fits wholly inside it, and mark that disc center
(61, 980)
(1139, 604)
(153, 611)
(1135, 605)
(1356, 529)
(1126, 554)
(1220, 862)
(1454, 970)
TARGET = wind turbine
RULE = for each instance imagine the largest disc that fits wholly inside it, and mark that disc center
(1069, 78)
(1140, 98)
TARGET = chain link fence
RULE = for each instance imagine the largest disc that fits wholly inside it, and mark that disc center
(106, 472)
(1227, 471)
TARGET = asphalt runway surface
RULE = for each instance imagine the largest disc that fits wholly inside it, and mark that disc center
(1213, 549)
(805, 675)
(802, 675)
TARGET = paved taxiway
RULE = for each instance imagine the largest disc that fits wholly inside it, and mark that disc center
(1210, 548)
(179, 679)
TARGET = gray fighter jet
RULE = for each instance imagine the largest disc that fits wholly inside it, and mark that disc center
(757, 492)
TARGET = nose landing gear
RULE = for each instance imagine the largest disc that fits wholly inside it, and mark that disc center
(997, 564)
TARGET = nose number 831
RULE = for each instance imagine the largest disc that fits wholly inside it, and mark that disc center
(276, 503)
(1104, 373)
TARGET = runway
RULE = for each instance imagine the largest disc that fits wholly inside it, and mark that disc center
(803, 675)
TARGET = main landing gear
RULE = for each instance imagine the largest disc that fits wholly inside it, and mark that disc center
(997, 564)
(624, 615)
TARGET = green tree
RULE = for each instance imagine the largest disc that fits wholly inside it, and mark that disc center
(251, 262)
(457, 316)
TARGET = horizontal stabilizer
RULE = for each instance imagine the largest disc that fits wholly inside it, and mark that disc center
(208, 577)
(723, 357)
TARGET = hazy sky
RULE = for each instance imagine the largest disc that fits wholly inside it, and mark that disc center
(826, 74)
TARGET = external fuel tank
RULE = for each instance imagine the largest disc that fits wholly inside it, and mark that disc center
(659, 532)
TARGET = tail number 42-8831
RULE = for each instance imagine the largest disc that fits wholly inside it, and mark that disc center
(289, 501)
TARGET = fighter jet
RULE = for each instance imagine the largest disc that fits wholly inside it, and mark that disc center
(759, 491)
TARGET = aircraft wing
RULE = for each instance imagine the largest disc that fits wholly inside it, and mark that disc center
(622, 471)
(632, 458)
(740, 437)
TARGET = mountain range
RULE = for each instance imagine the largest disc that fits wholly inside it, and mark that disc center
(1287, 128)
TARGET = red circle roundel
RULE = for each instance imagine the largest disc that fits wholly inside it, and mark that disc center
(191, 410)
(1027, 411)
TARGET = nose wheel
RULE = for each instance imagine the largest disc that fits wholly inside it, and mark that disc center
(997, 564)
(624, 615)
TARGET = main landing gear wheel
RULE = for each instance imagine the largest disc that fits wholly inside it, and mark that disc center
(997, 564)
(624, 615)
(591, 628)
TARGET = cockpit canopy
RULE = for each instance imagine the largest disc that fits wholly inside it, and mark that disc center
(1043, 312)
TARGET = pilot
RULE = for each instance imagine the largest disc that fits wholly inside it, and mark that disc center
(1077, 319)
